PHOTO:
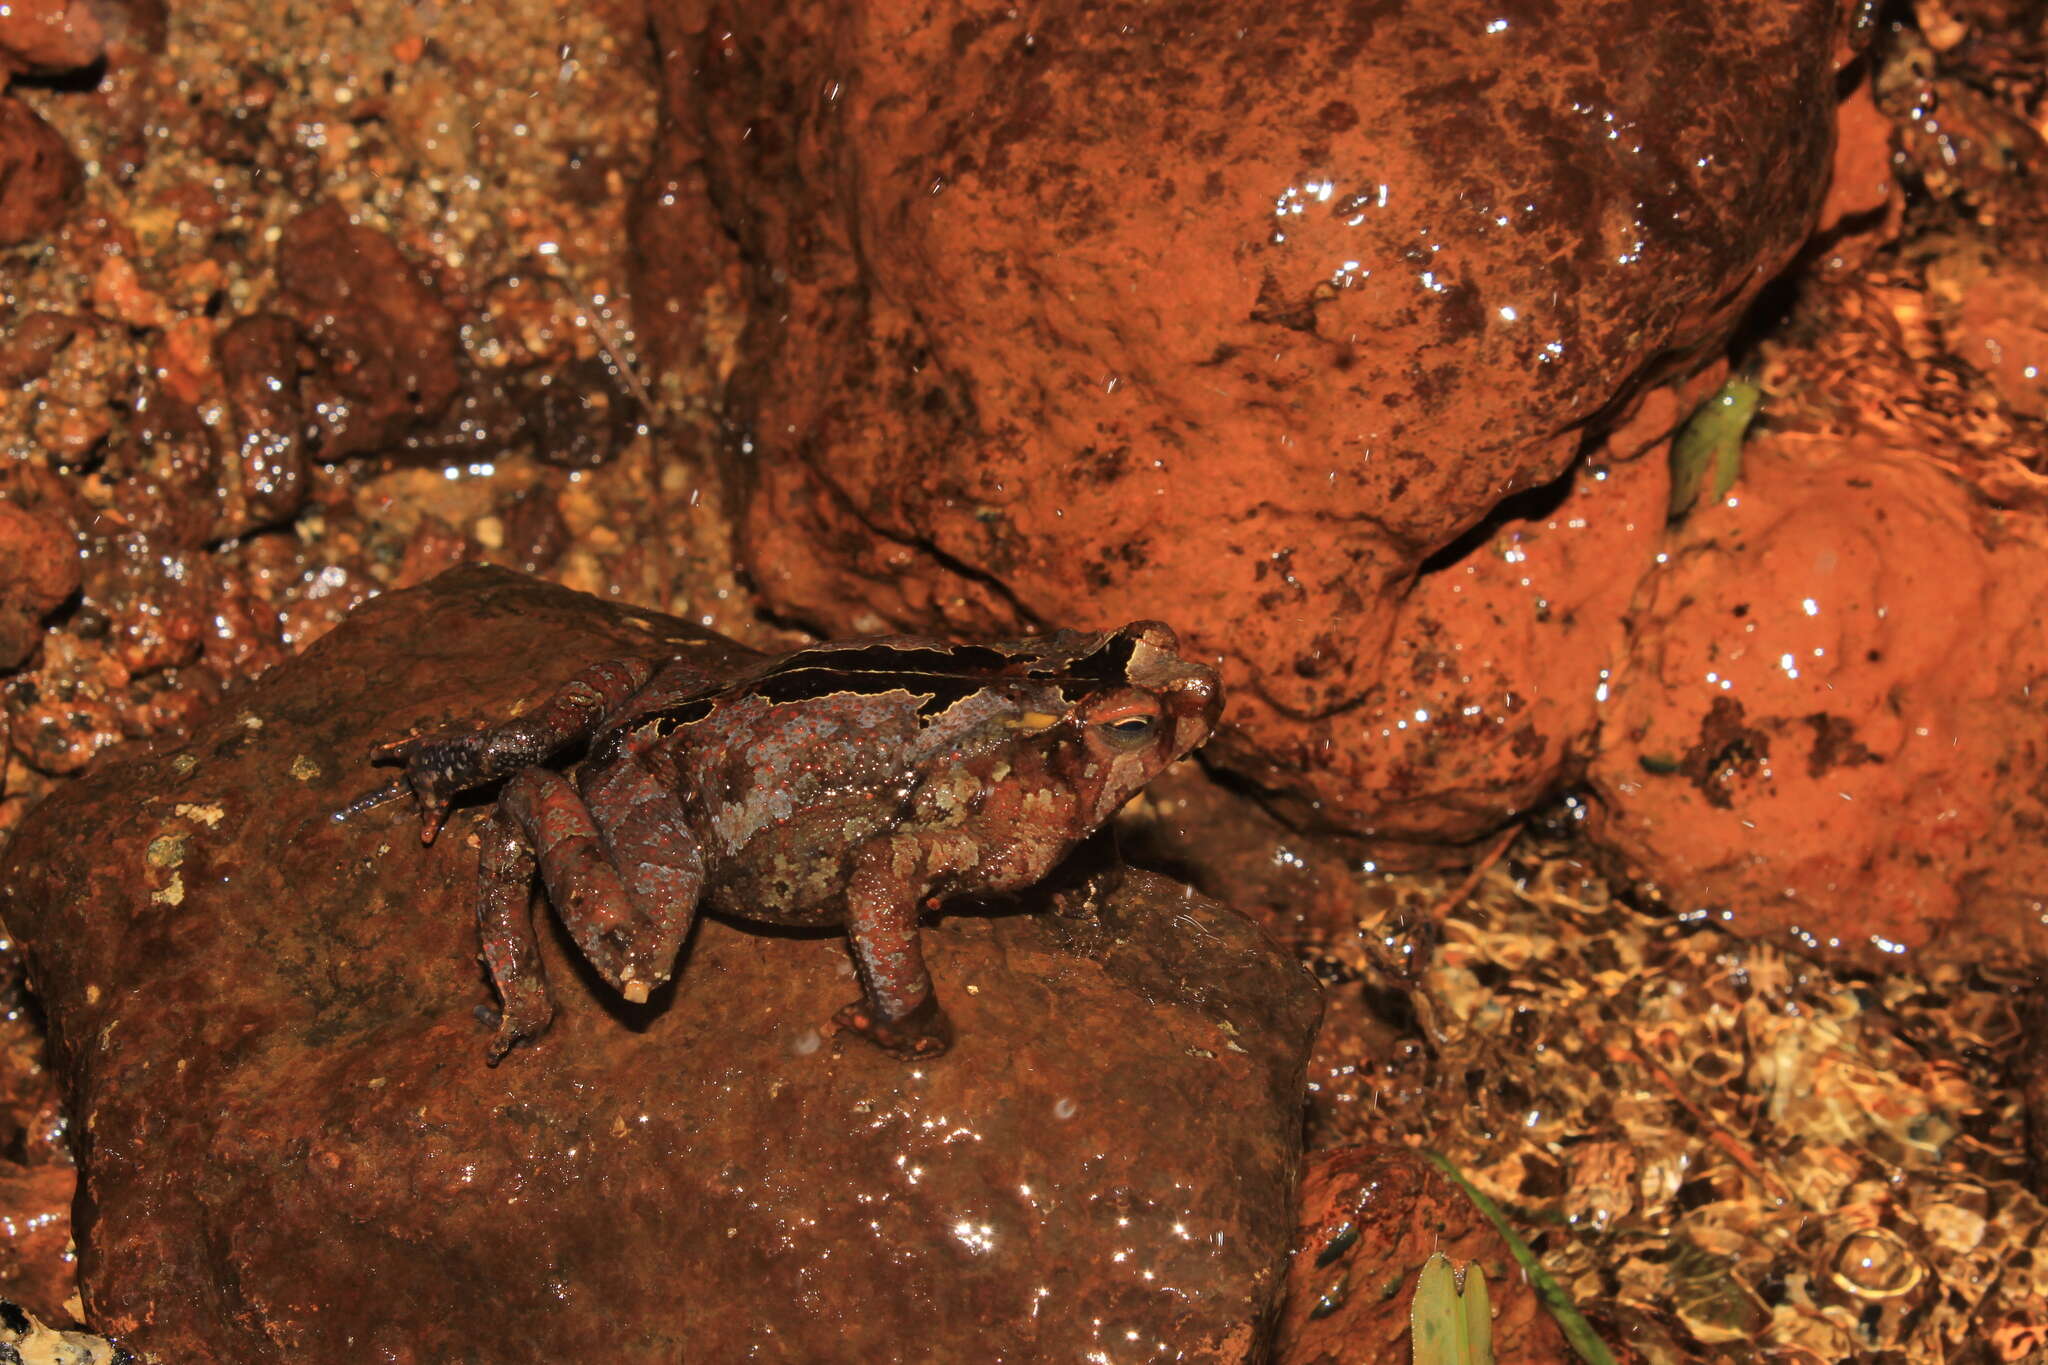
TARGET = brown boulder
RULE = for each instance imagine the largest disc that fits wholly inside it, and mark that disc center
(290, 1146)
(1245, 319)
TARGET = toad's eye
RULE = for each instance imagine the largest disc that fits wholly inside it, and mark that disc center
(1130, 732)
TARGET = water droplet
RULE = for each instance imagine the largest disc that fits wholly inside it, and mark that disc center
(1876, 1264)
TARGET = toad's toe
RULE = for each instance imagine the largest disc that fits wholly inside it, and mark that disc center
(923, 1033)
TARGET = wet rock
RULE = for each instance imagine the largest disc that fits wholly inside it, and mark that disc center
(264, 1023)
(1295, 885)
(1827, 725)
(1083, 312)
(1370, 1216)
(264, 481)
(49, 36)
(144, 610)
(39, 177)
(434, 548)
(134, 27)
(150, 603)
(37, 1267)
(77, 372)
(31, 1111)
(579, 418)
(388, 345)
(1992, 308)
(1957, 143)
(37, 1177)
(38, 572)
(70, 706)
(1866, 204)
(534, 534)
(32, 345)
(1491, 684)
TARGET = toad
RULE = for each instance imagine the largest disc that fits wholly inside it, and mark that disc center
(860, 784)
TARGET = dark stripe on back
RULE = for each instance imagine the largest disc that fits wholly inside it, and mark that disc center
(947, 661)
(1110, 662)
(940, 677)
(652, 724)
(939, 691)
(670, 719)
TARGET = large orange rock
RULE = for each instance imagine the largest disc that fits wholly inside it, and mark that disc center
(1828, 723)
(1245, 317)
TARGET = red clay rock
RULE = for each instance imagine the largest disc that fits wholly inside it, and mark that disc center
(37, 1268)
(1089, 311)
(263, 1022)
(38, 571)
(1826, 725)
(39, 177)
(1992, 308)
(1865, 202)
(264, 479)
(49, 36)
(388, 345)
(1369, 1218)
(1491, 683)
(37, 1178)
(155, 603)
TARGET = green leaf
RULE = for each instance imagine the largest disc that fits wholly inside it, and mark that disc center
(1709, 445)
(1576, 1329)
(1478, 1317)
(1436, 1320)
(1446, 1326)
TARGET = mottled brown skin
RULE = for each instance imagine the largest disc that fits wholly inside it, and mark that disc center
(859, 783)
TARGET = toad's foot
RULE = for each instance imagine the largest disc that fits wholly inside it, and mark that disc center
(438, 767)
(923, 1033)
(510, 1028)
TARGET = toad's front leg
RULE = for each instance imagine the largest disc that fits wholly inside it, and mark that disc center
(438, 766)
(898, 1011)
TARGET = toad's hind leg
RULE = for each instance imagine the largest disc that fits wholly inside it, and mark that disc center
(620, 868)
(648, 843)
(504, 922)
